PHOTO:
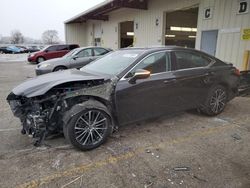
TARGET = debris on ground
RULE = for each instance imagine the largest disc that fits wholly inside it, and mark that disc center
(73, 181)
(236, 136)
(219, 120)
(200, 179)
(181, 182)
(152, 153)
(57, 162)
(148, 184)
(181, 168)
(112, 151)
(133, 175)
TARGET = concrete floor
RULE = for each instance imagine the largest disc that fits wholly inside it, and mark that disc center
(215, 150)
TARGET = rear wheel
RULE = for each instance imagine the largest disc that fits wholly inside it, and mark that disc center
(89, 128)
(216, 101)
(40, 59)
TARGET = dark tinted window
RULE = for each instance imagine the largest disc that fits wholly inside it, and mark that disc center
(99, 51)
(156, 63)
(73, 46)
(187, 60)
(62, 47)
(52, 49)
(85, 53)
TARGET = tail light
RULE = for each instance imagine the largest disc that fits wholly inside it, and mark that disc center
(237, 72)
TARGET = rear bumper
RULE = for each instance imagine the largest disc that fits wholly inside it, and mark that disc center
(244, 88)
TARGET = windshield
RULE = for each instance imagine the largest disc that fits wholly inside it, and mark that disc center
(44, 48)
(71, 53)
(113, 63)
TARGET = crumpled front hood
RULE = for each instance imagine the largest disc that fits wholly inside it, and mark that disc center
(41, 84)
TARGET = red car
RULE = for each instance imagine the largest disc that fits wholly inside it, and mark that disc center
(50, 52)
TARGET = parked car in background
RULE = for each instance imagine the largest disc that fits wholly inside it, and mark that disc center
(32, 49)
(125, 86)
(10, 50)
(4, 50)
(18, 49)
(76, 58)
(50, 52)
(22, 49)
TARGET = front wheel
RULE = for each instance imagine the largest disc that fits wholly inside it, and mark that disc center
(216, 101)
(40, 59)
(89, 128)
(60, 68)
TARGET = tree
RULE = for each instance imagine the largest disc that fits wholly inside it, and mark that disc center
(50, 37)
(16, 37)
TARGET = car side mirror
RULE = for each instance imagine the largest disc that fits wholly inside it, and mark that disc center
(139, 74)
(75, 57)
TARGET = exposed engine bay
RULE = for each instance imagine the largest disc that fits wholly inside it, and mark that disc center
(43, 115)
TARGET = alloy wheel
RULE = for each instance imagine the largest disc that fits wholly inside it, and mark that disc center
(218, 101)
(40, 59)
(90, 127)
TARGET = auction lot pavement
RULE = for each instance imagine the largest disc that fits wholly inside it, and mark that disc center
(213, 151)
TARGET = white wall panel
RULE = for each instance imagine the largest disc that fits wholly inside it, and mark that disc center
(230, 46)
(75, 33)
(147, 34)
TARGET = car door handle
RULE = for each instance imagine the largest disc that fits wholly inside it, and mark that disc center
(170, 81)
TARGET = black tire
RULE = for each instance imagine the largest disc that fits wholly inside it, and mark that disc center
(216, 101)
(89, 128)
(59, 68)
(40, 59)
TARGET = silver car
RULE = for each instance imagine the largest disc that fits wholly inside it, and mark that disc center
(76, 58)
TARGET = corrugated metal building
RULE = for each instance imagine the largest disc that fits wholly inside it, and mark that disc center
(219, 27)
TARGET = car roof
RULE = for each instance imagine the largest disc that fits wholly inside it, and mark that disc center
(159, 48)
(61, 45)
(82, 48)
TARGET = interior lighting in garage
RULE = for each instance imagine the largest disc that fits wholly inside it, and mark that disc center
(170, 36)
(191, 36)
(130, 33)
(185, 29)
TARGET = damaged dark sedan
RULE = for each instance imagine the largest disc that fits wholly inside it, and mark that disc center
(125, 86)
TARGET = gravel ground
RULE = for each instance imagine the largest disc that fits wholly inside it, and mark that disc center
(214, 151)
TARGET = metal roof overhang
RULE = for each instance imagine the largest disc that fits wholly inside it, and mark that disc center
(100, 11)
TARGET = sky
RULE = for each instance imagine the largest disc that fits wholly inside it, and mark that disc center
(33, 17)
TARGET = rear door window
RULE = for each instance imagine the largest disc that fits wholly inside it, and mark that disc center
(99, 51)
(186, 60)
(62, 47)
(85, 53)
(52, 49)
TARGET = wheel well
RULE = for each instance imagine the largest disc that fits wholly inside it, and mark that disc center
(224, 85)
(82, 99)
(60, 66)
